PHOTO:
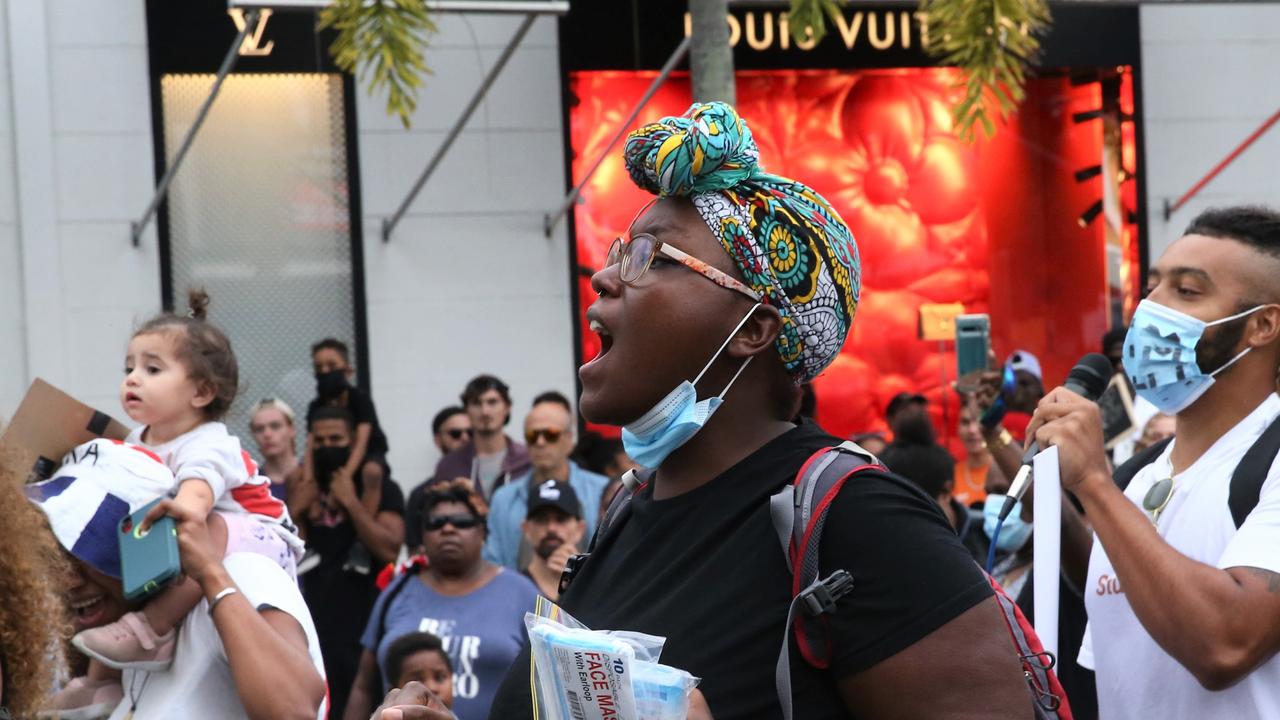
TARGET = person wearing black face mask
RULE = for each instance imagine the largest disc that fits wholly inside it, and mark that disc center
(367, 462)
(349, 544)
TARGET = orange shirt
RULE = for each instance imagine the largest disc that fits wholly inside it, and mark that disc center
(971, 483)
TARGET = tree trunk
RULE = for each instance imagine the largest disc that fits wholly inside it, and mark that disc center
(710, 57)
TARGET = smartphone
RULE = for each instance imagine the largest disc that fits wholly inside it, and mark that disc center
(148, 561)
(973, 343)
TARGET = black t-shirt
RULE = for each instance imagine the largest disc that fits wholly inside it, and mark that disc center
(341, 599)
(360, 405)
(706, 571)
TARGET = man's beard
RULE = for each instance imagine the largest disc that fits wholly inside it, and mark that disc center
(548, 546)
(1218, 345)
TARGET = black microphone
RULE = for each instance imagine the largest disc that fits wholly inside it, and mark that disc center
(1088, 379)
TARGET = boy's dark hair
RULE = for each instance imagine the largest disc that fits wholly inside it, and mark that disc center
(551, 396)
(443, 416)
(929, 466)
(203, 349)
(333, 412)
(482, 384)
(332, 344)
(415, 642)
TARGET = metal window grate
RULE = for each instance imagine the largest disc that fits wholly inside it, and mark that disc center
(260, 217)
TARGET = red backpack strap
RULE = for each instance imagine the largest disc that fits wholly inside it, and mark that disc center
(1048, 695)
(799, 512)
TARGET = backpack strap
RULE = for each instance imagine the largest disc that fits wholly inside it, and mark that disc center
(799, 513)
(1251, 473)
(1124, 474)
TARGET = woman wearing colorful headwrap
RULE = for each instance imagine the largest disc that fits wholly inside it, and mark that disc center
(728, 290)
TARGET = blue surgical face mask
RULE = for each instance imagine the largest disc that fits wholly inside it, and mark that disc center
(1160, 355)
(1014, 533)
(678, 416)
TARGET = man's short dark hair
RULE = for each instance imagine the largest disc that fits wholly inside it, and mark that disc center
(332, 412)
(482, 384)
(551, 396)
(443, 416)
(929, 466)
(1254, 225)
(332, 344)
(410, 644)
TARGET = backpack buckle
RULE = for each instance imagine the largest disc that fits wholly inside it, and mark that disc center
(571, 568)
(820, 597)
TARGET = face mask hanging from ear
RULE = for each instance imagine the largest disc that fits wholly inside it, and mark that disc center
(678, 416)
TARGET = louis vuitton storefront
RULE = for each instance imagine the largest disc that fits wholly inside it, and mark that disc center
(865, 117)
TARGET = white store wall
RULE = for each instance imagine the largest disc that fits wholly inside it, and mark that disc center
(1209, 81)
(468, 283)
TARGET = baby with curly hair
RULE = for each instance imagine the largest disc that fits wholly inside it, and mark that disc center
(181, 377)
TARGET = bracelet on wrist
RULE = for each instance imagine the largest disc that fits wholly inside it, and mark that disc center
(222, 594)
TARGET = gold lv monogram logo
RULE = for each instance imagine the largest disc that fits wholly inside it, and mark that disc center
(252, 44)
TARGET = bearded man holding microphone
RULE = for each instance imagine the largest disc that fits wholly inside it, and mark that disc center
(1183, 589)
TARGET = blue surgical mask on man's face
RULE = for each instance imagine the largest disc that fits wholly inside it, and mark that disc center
(678, 416)
(1160, 355)
(1014, 533)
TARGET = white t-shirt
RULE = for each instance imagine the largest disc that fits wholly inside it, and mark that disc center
(199, 684)
(209, 453)
(1136, 678)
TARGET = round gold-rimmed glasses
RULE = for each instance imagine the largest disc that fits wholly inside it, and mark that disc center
(1157, 498)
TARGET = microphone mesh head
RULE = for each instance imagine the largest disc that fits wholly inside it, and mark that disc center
(1093, 373)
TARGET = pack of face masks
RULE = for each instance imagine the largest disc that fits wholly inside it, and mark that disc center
(585, 674)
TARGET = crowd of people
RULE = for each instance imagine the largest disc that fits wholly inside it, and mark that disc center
(311, 587)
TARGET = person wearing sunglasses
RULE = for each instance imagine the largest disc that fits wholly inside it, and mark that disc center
(724, 295)
(1183, 583)
(475, 607)
(450, 429)
(548, 432)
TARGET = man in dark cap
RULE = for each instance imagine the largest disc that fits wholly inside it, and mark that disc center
(554, 528)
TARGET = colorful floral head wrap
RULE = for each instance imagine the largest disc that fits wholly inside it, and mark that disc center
(790, 244)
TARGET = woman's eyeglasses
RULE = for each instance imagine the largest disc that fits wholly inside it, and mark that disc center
(458, 434)
(461, 522)
(638, 253)
(551, 435)
(1157, 498)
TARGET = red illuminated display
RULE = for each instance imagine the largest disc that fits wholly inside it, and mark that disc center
(937, 220)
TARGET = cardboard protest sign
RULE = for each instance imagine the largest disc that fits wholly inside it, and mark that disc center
(48, 424)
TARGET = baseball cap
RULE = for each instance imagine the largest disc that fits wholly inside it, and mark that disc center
(1023, 360)
(903, 399)
(556, 494)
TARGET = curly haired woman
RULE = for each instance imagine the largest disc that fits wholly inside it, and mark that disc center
(29, 616)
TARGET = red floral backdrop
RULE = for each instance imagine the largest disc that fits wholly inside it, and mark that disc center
(935, 218)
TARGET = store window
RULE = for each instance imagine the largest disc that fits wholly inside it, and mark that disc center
(260, 217)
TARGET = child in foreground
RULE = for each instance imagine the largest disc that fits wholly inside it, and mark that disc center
(181, 377)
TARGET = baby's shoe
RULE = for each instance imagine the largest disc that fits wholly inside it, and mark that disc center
(128, 643)
(84, 699)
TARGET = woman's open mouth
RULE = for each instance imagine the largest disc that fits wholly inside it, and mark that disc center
(606, 339)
